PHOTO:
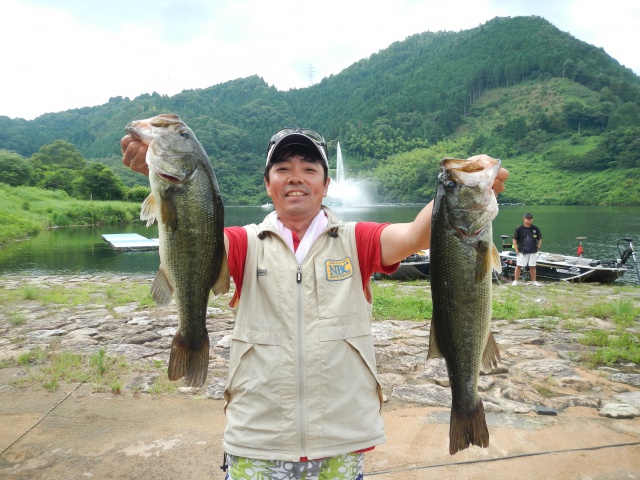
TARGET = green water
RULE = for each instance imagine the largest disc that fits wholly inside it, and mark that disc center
(82, 250)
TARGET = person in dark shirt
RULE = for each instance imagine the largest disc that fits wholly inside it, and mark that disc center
(526, 242)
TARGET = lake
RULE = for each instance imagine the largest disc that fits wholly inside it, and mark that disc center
(82, 250)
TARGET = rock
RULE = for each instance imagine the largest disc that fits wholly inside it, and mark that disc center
(143, 338)
(215, 389)
(485, 383)
(619, 410)
(562, 403)
(435, 368)
(546, 368)
(524, 353)
(168, 332)
(576, 382)
(524, 393)
(431, 395)
(632, 398)
(225, 342)
(41, 334)
(132, 307)
(626, 378)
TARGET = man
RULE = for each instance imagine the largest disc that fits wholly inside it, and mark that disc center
(526, 243)
(303, 399)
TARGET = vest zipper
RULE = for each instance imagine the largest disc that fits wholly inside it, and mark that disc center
(301, 372)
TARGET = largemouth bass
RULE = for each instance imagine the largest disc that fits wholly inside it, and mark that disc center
(462, 259)
(186, 202)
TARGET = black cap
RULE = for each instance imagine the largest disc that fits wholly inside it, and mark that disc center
(298, 136)
(528, 215)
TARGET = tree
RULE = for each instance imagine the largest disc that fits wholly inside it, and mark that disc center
(58, 154)
(15, 169)
(97, 181)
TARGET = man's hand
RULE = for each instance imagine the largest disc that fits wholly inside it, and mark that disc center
(498, 183)
(134, 153)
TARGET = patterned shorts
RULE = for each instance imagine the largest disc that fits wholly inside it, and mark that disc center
(341, 467)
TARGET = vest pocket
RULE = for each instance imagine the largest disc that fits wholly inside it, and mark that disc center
(350, 393)
(253, 395)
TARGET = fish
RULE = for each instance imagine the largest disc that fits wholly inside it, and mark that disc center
(462, 260)
(185, 201)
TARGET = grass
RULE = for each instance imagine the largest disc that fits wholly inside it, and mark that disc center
(50, 369)
(612, 347)
(561, 306)
(392, 303)
(28, 210)
(60, 295)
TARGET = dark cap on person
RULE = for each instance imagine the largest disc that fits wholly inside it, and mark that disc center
(298, 136)
(528, 215)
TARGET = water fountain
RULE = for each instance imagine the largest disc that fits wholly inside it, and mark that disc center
(345, 191)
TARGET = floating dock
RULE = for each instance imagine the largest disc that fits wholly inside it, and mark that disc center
(130, 242)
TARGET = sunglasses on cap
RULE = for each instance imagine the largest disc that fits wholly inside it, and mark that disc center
(313, 138)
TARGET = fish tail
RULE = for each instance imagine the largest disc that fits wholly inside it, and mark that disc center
(189, 361)
(468, 428)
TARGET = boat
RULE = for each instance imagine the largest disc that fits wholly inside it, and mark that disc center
(267, 206)
(569, 268)
(414, 267)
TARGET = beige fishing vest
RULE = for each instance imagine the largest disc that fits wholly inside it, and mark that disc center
(302, 371)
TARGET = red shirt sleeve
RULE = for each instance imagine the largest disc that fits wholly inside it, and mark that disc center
(368, 244)
(237, 256)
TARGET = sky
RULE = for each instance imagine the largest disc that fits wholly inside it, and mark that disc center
(57, 55)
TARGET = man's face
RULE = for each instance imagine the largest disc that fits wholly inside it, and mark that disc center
(527, 221)
(296, 187)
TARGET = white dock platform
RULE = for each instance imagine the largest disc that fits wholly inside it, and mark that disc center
(129, 242)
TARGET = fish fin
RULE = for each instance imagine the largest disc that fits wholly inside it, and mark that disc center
(434, 349)
(468, 428)
(149, 210)
(491, 354)
(496, 263)
(483, 260)
(161, 289)
(223, 282)
(189, 361)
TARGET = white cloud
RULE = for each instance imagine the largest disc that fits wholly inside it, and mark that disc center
(77, 53)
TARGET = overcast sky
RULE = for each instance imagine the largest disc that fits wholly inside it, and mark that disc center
(57, 55)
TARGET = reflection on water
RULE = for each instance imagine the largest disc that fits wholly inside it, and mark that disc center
(82, 250)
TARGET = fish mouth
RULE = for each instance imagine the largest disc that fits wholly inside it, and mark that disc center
(171, 177)
(139, 130)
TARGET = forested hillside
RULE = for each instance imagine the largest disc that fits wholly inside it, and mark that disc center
(515, 88)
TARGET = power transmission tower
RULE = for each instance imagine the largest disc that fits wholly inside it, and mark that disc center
(311, 72)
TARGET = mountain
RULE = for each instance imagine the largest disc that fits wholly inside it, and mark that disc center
(516, 88)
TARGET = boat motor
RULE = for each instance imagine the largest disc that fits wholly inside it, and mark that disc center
(628, 253)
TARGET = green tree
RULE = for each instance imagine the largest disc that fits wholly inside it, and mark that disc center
(97, 181)
(59, 154)
(137, 194)
(15, 169)
(56, 179)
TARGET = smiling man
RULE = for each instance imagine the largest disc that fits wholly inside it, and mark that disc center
(303, 399)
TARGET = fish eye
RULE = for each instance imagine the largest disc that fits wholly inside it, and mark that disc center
(184, 134)
(451, 184)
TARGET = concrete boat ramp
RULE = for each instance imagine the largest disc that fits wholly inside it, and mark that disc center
(130, 242)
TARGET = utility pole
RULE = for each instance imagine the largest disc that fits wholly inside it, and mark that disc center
(310, 72)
